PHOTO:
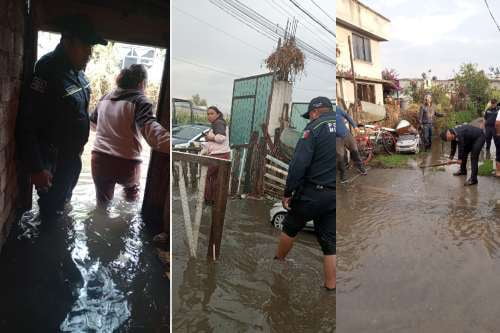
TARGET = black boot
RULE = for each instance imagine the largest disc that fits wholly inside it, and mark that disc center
(460, 173)
(470, 182)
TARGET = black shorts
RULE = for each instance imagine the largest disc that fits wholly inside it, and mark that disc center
(319, 207)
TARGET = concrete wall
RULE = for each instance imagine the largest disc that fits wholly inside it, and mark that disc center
(282, 94)
(11, 63)
(363, 17)
(368, 69)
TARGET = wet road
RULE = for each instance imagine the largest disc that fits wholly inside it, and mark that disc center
(246, 290)
(93, 271)
(418, 252)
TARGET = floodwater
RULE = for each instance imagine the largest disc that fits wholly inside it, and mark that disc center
(418, 252)
(246, 290)
(92, 271)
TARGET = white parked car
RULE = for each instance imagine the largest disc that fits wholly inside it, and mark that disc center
(408, 143)
(278, 214)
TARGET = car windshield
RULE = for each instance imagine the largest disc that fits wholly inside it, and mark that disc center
(186, 132)
(407, 137)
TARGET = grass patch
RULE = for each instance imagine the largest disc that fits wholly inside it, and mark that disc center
(392, 161)
(486, 169)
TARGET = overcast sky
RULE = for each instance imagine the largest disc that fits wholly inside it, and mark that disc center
(195, 42)
(439, 35)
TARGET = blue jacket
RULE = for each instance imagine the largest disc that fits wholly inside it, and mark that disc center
(341, 116)
(314, 159)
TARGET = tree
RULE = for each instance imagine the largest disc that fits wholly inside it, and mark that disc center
(197, 100)
(475, 83)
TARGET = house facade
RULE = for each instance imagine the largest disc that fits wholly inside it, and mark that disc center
(366, 30)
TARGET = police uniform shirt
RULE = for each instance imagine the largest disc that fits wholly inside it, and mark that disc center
(313, 162)
(464, 134)
(56, 113)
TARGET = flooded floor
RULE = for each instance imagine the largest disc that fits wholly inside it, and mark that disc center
(92, 271)
(246, 290)
(418, 251)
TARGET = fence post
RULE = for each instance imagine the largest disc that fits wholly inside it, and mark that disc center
(219, 211)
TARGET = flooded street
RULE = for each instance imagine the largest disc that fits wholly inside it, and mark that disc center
(418, 251)
(246, 290)
(92, 271)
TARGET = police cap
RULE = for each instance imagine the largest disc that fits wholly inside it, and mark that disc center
(317, 103)
(80, 27)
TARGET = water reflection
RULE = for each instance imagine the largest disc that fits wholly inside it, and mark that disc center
(412, 245)
(90, 271)
(246, 290)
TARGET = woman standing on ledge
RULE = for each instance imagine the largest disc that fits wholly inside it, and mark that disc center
(217, 145)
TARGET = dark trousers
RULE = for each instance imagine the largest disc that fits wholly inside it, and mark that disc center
(65, 169)
(427, 135)
(318, 206)
(497, 146)
(107, 171)
(474, 148)
(489, 133)
(341, 144)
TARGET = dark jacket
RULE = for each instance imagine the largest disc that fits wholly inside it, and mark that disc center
(490, 117)
(464, 135)
(313, 162)
(55, 116)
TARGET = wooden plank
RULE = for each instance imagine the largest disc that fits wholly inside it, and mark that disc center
(277, 162)
(276, 179)
(204, 160)
(274, 186)
(275, 169)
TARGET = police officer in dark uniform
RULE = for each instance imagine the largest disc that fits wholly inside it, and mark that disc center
(469, 139)
(490, 116)
(310, 187)
(54, 126)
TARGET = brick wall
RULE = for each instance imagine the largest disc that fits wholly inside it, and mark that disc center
(11, 63)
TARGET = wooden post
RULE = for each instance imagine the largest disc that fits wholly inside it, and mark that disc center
(353, 80)
(235, 171)
(157, 189)
(219, 211)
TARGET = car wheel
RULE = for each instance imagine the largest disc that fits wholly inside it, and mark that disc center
(277, 221)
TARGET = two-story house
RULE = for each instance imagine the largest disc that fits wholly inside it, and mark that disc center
(366, 29)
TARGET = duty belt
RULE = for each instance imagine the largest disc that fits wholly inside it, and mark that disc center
(324, 187)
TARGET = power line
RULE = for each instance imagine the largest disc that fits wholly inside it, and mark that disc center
(313, 18)
(220, 30)
(224, 72)
(318, 37)
(491, 14)
(235, 38)
(258, 22)
(324, 12)
(208, 67)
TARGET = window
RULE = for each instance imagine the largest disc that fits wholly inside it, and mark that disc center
(361, 48)
(366, 92)
(139, 56)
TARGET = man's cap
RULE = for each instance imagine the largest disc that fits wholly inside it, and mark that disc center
(316, 103)
(80, 27)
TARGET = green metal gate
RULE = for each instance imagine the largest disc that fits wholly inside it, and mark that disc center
(250, 109)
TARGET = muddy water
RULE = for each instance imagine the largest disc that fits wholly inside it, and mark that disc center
(418, 252)
(92, 271)
(246, 290)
